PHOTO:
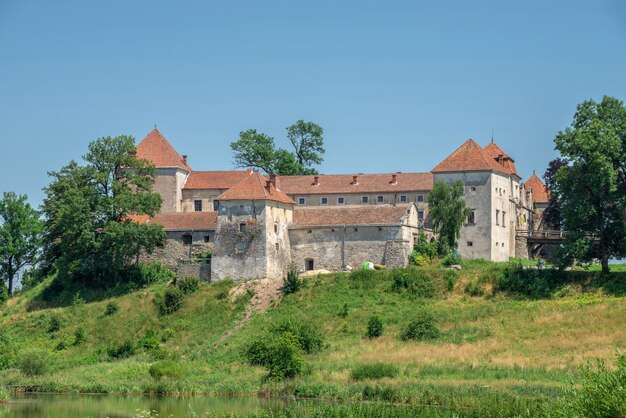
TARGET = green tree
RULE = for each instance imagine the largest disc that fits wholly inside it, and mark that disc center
(258, 150)
(591, 187)
(89, 234)
(448, 211)
(20, 236)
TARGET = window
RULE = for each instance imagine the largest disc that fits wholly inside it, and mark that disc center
(186, 239)
(207, 238)
(309, 264)
(301, 201)
(403, 198)
(310, 231)
(420, 215)
(277, 247)
(419, 198)
(470, 244)
(197, 205)
(242, 227)
(497, 217)
(472, 189)
(471, 219)
(380, 199)
(503, 219)
(324, 201)
(365, 199)
(276, 228)
(216, 205)
(341, 200)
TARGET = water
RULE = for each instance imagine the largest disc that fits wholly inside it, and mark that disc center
(118, 406)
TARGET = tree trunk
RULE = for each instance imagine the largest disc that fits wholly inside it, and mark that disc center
(605, 264)
(10, 283)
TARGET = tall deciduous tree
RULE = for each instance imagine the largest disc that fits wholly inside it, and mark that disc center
(592, 186)
(551, 217)
(258, 150)
(447, 209)
(20, 236)
(89, 234)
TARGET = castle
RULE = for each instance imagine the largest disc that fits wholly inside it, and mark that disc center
(256, 226)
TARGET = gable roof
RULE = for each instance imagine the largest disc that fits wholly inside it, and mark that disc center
(252, 187)
(540, 193)
(213, 179)
(159, 152)
(495, 152)
(185, 220)
(366, 183)
(355, 215)
(469, 157)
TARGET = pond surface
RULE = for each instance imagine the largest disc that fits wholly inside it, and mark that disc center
(120, 406)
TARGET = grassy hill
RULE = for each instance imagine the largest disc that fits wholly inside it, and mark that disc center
(499, 351)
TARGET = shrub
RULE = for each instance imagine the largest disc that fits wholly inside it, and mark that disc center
(165, 368)
(4, 394)
(450, 277)
(55, 324)
(451, 259)
(423, 327)
(188, 285)
(222, 295)
(34, 362)
(427, 249)
(281, 355)
(149, 340)
(77, 300)
(170, 301)
(531, 283)
(124, 350)
(366, 279)
(414, 281)
(111, 308)
(4, 292)
(149, 273)
(292, 282)
(374, 327)
(308, 337)
(79, 336)
(418, 259)
(599, 393)
(373, 371)
(474, 288)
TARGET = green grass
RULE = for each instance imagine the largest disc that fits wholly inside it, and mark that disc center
(495, 354)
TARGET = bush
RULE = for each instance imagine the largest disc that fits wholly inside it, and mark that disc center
(55, 324)
(450, 277)
(417, 259)
(451, 259)
(170, 302)
(599, 393)
(222, 295)
(308, 337)
(79, 336)
(425, 248)
(374, 327)
(166, 368)
(366, 279)
(292, 282)
(34, 362)
(414, 281)
(4, 292)
(4, 394)
(111, 308)
(373, 371)
(77, 300)
(124, 350)
(343, 311)
(474, 288)
(281, 355)
(531, 283)
(149, 273)
(423, 327)
(188, 285)
(149, 340)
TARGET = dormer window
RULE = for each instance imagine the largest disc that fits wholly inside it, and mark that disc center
(403, 198)
(323, 201)
(419, 198)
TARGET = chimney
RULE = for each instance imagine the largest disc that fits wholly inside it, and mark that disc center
(500, 159)
(132, 154)
(184, 159)
(316, 180)
(394, 179)
(275, 181)
(355, 180)
(268, 185)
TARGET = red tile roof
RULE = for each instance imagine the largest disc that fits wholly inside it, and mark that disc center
(186, 220)
(494, 151)
(366, 183)
(252, 187)
(213, 179)
(354, 215)
(159, 152)
(540, 193)
(469, 157)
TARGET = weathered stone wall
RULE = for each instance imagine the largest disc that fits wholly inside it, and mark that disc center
(193, 268)
(239, 254)
(521, 247)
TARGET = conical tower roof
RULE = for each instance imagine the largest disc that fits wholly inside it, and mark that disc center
(254, 187)
(540, 192)
(156, 149)
(469, 157)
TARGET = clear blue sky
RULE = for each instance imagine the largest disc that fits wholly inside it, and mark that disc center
(396, 85)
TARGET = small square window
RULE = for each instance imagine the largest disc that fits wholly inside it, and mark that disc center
(197, 205)
(471, 219)
(301, 201)
(420, 215)
(380, 199)
(341, 200)
(310, 231)
(403, 198)
(242, 227)
(470, 244)
(187, 239)
(472, 189)
(207, 238)
(419, 198)
(324, 201)
(365, 199)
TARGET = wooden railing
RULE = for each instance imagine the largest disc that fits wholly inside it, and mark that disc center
(542, 234)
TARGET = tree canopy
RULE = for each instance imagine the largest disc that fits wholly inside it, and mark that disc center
(257, 150)
(20, 237)
(591, 185)
(89, 234)
(447, 209)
